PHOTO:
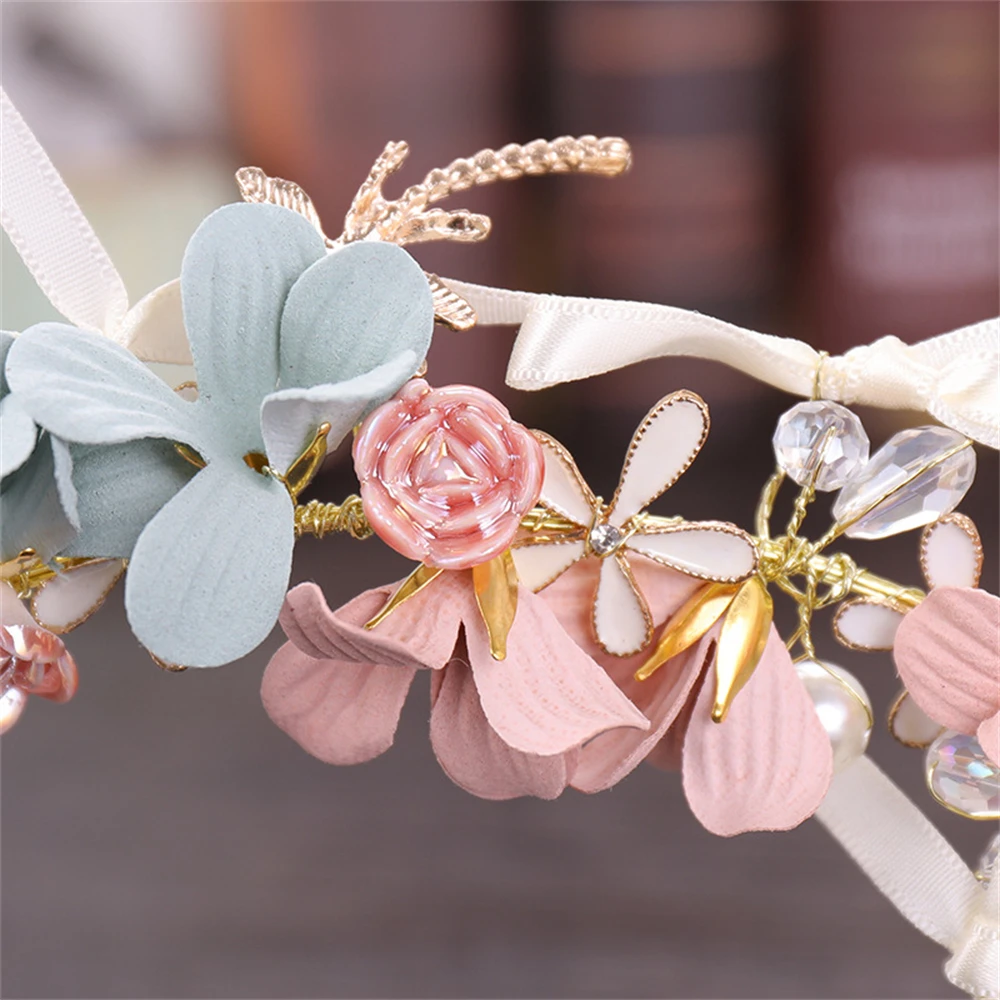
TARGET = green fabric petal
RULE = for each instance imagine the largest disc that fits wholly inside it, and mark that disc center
(351, 312)
(209, 573)
(289, 418)
(18, 434)
(87, 390)
(37, 511)
(237, 271)
(121, 489)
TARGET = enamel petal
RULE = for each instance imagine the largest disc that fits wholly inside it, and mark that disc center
(353, 310)
(664, 445)
(538, 565)
(910, 724)
(710, 550)
(951, 553)
(71, 597)
(236, 274)
(208, 574)
(864, 624)
(622, 621)
(564, 490)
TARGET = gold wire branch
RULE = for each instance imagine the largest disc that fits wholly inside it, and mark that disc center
(410, 219)
(319, 519)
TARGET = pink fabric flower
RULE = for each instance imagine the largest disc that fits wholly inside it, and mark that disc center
(446, 475)
(499, 728)
(947, 651)
(766, 767)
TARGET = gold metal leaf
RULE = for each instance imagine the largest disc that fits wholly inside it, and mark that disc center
(449, 307)
(300, 473)
(257, 187)
(411, 586)
(495, 584)
(742, 640)
(689, 623)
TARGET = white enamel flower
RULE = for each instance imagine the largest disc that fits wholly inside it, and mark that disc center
(664, 445)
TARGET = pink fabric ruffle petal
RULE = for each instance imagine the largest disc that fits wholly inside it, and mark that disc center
(547, 696)
(474, 756)
(421, 632)
(769, 764)
(988, 735)
(340, 711)
(607, 759)
(947, 654)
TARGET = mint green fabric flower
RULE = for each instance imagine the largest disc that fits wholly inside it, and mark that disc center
(285, 337)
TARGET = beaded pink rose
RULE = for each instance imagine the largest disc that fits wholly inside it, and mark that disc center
(32, 661)
(446, 475)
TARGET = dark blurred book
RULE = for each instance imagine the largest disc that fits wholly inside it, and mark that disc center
(317, 89)
(904, 168)
(696, 89)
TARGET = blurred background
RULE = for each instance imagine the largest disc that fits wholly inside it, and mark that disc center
(821, 170)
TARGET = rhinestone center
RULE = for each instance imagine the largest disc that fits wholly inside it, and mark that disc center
(604, 539)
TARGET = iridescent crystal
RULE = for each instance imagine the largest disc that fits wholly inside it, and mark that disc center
(917, 476)
(962, 777)
(820, 440)
(604, 539)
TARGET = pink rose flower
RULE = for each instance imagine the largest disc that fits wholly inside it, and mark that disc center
(446, 475)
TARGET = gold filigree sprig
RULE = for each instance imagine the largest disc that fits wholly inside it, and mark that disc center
(410, 218)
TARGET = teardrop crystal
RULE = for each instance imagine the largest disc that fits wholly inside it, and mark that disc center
(820, 442)
(917, 476)
(961, 776)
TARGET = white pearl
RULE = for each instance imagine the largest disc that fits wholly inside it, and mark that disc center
(843, 707)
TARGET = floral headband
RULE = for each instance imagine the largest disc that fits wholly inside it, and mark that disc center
(568, 638)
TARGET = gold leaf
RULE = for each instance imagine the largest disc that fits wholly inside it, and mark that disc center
(495, 584)
(742, 640)
(449, 307)
(256, 186)
(411, 586)
(688, 624)
(300, 473)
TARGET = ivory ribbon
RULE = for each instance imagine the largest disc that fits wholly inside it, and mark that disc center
(909, 861)
(954, 377)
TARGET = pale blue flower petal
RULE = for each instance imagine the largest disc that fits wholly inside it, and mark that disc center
(289, 418)
(121, 488)
(352, 311)
(209, 573)
(6, 342)
(37, 511)
(87, 390)
(237, 271)
(18, 435)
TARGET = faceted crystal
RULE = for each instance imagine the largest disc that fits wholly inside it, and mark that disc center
(604, 539)
(962, 777)
(908, 483)
(820, 439)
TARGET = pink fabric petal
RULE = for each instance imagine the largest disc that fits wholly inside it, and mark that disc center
(604, 761)
(768, 766)
(474, 756)
(947, 654)
(988, 735)
(421, 632)
(547, 696)
(340, 711)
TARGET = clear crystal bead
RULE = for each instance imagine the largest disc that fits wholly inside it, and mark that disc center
(907, 484)
(604, 539)
(962, 777)
(820, 439)
(987, 869)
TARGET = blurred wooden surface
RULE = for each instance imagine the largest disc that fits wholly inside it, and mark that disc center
(163, 839)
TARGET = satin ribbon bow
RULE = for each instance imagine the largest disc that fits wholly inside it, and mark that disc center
(953, 377)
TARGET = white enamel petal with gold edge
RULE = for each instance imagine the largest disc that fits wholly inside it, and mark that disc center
(711, 550)
(622, 621)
